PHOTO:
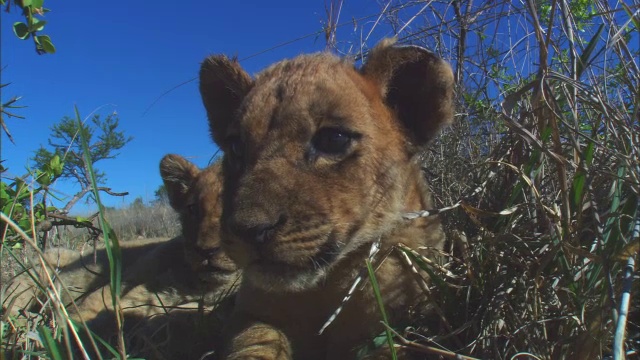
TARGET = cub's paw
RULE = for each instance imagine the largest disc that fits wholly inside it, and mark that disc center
(259, 341)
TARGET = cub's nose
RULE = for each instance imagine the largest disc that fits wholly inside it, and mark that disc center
(258, 233)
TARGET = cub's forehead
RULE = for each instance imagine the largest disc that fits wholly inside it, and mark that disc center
(307, 66)
(208, 184)
(303, 91)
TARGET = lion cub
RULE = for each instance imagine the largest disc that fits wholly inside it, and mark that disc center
(321, 162)
(187, 269)
(166, 285)
(75, 269)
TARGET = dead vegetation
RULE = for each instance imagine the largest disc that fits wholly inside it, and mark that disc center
(541, 168)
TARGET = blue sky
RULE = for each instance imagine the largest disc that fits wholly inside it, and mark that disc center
(123, 57)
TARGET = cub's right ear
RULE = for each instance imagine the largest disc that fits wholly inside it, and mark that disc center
(416, 85)
(178, 175)
(223, 86)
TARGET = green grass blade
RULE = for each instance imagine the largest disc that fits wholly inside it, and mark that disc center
(376, 291)
(611, 231)
(580, 179)
(586, 54)
(50, 343)
(78, 326)
(112, 245)
(634, 19)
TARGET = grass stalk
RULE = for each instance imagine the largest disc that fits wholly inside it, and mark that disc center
(111, 242)
(383, 313)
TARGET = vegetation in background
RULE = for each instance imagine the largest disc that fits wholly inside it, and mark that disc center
(26, 217)
(104, 141)
(17, 198)
(25, 221)
(33, 12)
(162, 196)
(7, 109)
(26, 199)
(540, 171)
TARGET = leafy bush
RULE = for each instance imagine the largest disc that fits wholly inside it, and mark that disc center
(539, 174)
(32, 11)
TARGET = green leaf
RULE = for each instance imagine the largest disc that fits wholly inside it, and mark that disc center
(56, 165)
(4, 193)
(23, 193)
(20, 183)
(46, 44)
(378, 296)
(577, 190)
(634, 19)
(36, 4)
(21, 30)
(49, 343)
(7, 208)
(78, 326)
(111, 242)
(43, 178)
(38, 25)
(81, 219)
(611, 232)
(25, 224)
(26, 3)
(17, 209)
(586, 54)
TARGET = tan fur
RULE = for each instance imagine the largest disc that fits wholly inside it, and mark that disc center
(320, 163)
(188, 274)
(77, 270)
(168, 285)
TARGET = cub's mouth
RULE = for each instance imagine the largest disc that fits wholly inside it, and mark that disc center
(209, 265)
(215, 273)
(215, 269)
(208, 268)
(279, 265)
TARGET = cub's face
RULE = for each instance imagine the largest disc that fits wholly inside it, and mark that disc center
(196, 196)
(316, 162)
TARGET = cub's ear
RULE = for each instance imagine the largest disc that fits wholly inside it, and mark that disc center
(178, 175)
(223, 86)
(416, 84)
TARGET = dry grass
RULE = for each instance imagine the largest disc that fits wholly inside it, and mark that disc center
(133, 222)
(47, 333)
(542, 167)
(155, 220)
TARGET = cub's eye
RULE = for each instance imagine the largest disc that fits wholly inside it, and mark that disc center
(332, 141)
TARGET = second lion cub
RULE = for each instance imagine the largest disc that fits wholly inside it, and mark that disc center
(320, 165)
(168, 288)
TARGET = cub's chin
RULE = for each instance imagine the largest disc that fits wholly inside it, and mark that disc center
(278, 266)
(282, 277)
(217, 277)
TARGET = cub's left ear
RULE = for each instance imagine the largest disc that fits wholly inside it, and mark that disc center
(416, 85)
(178, 175)
(223, 86)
